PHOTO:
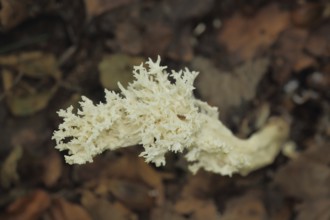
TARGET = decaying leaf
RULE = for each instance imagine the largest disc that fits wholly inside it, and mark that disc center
(247, 207)
(13, 12)
(25, 97)
(314, 209)
(309, 175)
(102, 209)
(165, 212)
(98, 7)
(198, 209)
(9, 173)
(247, 37)
(105, 175)
(29, 207)
(129, 37)
(228, 90)
(62, 209)
(289, 54)
(117, 68)
(53, 167)
(133, 195)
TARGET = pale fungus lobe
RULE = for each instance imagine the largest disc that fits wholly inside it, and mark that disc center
(159, 111)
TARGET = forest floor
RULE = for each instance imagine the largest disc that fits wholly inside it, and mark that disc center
(256, 59)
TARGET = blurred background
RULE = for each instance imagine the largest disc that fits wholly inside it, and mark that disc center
(256, 59)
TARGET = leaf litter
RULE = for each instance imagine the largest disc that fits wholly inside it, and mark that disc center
(248, 53)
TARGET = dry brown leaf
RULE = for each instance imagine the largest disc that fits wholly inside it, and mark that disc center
(229, 90)
(188, 9)
(157, 38)
(25, 98)
(8, 170)
(36, 64)
(128, 168)
(314, 209)
(246, 37)
(247, 207)
(318, 44)
(133, 195)
(61, 209)
(29, 207)
(289, 54)
(129, 38)
(197, 186)
(101, 208)
(13, 12)
(197, 209)
(98, 7)
(181, 48)
(307, 14)
(132, 167)
(304, 178)
(165, 212)
(53, 165)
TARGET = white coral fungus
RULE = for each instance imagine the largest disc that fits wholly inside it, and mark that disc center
(163, 116)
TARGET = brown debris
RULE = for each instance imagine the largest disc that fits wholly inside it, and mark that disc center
(53, 166)
(101, 208)
(133, 195)
(245, 38)
(63, 210)
(98, 7)
(229, 90)
(314, 209)
(309, 175)
(307, 14)
(318, 44)
(197, 209)
(289, 54)
(14, 12)
(248, 207)
(23, 97)
(29, 207)
(157, 38)
(256, 59)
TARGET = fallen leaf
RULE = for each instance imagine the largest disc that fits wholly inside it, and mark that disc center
(9, 172)
(23, 106)
(307, 14)
(133, 195)
(14, 12)
(62, 209)
(314, 209)
(247, 207)
(129, 38)
(132, 167)
(309, 178)
(181, 48)
(165, 212)
(157, 38)
(117, 68)
(128, 168)
(247, 37)
(289, 54)
(25, 97)
(35, 64)
(198, 209)
(53, 165)
(188, 9)
(101, 208)
(29, 207)
(98, 7)
(229, 90)
(318, 43)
